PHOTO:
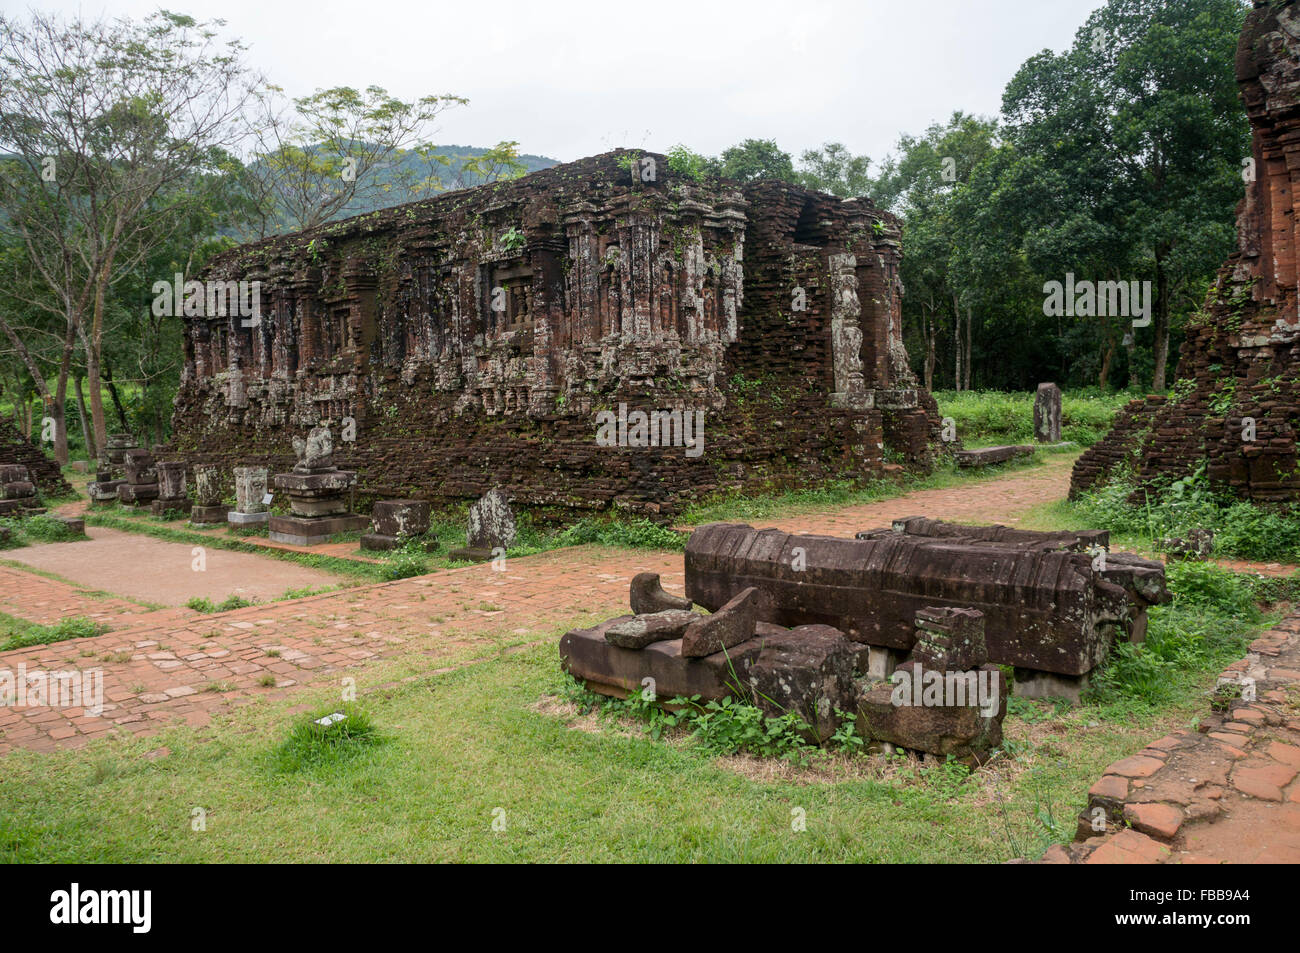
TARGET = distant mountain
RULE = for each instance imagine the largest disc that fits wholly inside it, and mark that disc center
(453, 176)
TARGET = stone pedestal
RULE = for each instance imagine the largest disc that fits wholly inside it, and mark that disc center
(103, 492)
(171, 489)
(250, 489)
(319, 505)
(17, 491)
(141, 484)
(118, 445)
(1047, 414)
(207, 507)
(393, 523)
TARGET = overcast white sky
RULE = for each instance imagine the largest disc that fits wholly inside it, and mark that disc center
(570, 78)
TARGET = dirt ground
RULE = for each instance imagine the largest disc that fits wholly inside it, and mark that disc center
(152, 570)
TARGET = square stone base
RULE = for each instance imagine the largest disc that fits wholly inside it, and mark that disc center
(166, 507)
(242, 519)
(312, 531)
(207, 515)
(133, 494)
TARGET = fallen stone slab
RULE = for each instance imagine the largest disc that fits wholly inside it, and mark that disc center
(986, 456)
(607, 669)
(642, 630)
(1045, 610)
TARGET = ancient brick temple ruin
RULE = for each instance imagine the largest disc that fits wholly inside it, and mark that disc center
(1236, 405)
(472, 340)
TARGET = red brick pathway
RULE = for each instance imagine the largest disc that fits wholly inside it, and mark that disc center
(1229, 793)
(166, 669)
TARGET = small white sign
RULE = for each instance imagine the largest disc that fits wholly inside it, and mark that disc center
(266, 500)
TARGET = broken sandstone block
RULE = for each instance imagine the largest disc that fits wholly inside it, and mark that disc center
(641, 630)
(732, 624)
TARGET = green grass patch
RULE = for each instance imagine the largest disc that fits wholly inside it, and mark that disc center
(987, 418)
(18, 633)
(312, 745)
(231, 602)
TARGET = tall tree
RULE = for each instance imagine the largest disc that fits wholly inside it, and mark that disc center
(1139, 127)
(99, 121)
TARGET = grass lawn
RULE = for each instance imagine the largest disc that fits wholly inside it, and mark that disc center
(502, 732)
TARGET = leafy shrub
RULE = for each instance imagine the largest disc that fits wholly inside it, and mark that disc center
(1212, 618)
(404, 563)
(1242, 530)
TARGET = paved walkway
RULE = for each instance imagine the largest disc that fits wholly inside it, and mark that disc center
(154, 570)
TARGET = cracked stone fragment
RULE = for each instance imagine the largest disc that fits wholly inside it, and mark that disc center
(642, 630)
(730, 625)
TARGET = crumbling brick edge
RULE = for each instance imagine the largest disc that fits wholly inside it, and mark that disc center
(1148, 803)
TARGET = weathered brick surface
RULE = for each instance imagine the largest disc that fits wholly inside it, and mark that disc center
(668, 294)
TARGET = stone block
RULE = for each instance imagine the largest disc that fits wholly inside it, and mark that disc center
(641, 630)
(208, 515)
(1047, 414)
(250, 490)
(610, 670)
(236, 518)
(962, 716)
(207, 486)
(134, 493)
(808, 670)
(729, 625)
(400, 518)
(491, 522)
(141, 468)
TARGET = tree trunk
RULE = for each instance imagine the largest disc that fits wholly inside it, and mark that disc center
(117, 398)
(87, 434)
(956, 338)
(929, 348)
(1160, 345)
(1104, 377)
(94, 354)
(968, 359)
